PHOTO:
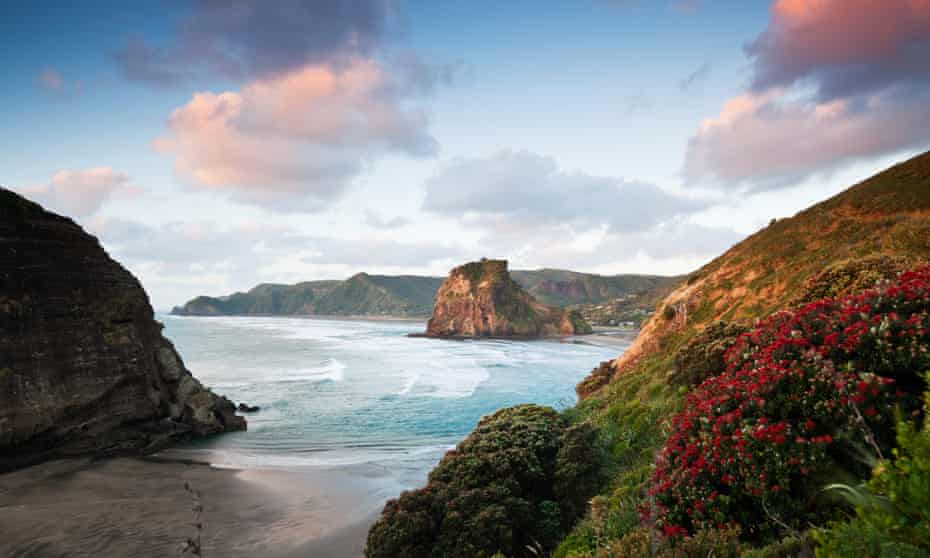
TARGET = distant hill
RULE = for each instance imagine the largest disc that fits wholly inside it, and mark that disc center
(602, 297)
(360, 295)
(559, 287)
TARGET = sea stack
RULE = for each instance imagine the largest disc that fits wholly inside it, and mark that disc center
(84, 368)
(480, 299)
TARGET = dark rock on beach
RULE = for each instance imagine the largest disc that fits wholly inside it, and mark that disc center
(84, 368)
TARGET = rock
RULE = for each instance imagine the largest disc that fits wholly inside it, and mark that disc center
(84, 368)
(244, 408)
(480, 299)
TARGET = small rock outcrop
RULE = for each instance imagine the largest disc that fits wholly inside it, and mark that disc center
(479, 299)
(84, 368)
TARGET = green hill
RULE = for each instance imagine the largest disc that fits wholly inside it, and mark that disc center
(558, 287)
(627, 297)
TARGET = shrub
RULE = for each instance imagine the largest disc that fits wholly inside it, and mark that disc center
(893, 515)
(702, 356)
(669, 312)
(517, 482)
(850, 276)
(800, 395)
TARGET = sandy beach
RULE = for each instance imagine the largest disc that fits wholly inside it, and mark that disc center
(140, 508)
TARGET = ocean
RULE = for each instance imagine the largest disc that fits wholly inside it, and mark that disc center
(362, 398)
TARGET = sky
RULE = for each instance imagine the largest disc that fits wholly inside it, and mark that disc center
(214, 145)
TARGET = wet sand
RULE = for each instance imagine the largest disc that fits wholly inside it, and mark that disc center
(140, 508)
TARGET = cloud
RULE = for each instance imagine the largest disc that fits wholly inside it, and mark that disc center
(834, 81)
(772, 140)
(847, 47)
(50, 79)
(687, 6)
(379, 252)
(523, 188)
(80, 193)
(295, 141)
(696, 77)
(179, 260)
(250, 39)
(373, 220)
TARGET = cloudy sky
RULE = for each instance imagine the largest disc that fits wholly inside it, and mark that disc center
(213, 145)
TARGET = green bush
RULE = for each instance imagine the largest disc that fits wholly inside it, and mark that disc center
(850, 276)
(702, 356)
(893, 512)
(515, 485)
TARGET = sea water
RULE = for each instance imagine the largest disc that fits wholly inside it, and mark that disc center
(359, 395)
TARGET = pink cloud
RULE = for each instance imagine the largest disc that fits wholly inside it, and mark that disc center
(833, 81)
(50, 79)
(80, 193)
(847, 45)
(770, 139)
(295, 140)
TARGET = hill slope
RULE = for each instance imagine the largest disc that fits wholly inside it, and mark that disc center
(884, 220)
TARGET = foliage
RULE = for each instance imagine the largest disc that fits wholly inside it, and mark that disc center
(518, 482)
(668, 312)
(702, 356)
(640, 543)
(893, 512)
(802, 393)
(851, 276)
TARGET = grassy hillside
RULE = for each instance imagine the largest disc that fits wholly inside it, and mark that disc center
(885, 216)
(872, 230)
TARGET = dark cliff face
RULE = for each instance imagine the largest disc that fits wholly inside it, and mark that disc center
(84, 368)
(480, 299)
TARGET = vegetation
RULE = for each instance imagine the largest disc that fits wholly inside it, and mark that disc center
(515, 485)
(803, 394)
(883, 217)
(702, 357)
(892, 512)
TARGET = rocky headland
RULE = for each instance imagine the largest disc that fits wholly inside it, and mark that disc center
(84, 368)
(480, 299)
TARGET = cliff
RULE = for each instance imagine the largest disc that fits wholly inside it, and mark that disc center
(480, 299)
(84, 368)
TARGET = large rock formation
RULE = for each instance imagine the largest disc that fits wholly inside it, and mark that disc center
(84, 368)
(479, 299)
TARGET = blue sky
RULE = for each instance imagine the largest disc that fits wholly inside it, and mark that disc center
(212, 146)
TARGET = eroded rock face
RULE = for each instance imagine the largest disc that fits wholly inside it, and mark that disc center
(479, 299)
(84, 368)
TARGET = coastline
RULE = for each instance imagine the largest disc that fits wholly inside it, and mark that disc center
(139, 507)
(330, 317)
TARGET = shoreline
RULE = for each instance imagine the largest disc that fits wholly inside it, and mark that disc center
(328, 317)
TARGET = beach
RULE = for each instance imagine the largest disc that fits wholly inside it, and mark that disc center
(140, 507)
(352, 413)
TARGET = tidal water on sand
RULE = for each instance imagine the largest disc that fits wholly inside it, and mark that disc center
(360, 400)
